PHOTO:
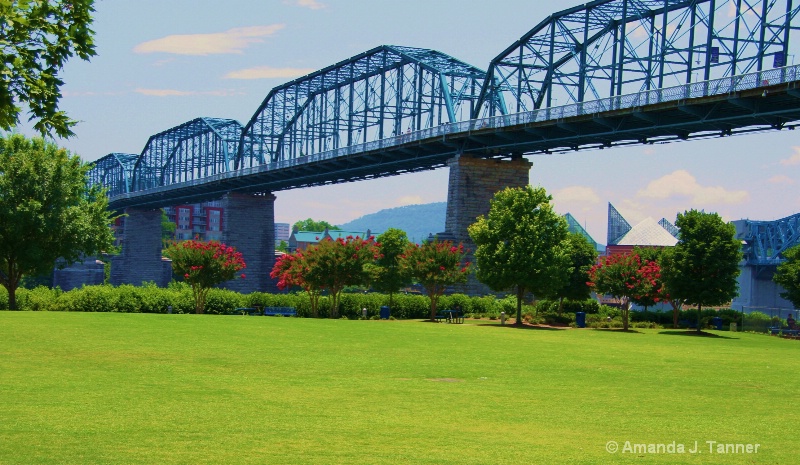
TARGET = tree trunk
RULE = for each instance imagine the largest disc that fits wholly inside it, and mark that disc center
(674, 314)
(699, 310)
(626, 311)
(560, 305)
(434, 298)
(12, 297)
(520, 293)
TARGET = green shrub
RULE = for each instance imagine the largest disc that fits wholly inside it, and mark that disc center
(3, 298)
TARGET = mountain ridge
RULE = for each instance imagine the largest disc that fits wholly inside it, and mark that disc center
(418, 221)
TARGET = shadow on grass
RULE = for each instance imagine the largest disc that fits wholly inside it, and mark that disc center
(618, 330)
(695, 333)
(524, 326)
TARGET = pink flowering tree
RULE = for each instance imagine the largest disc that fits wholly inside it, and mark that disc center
(627, 278)
(435, 265)
(204, 265)
(295, 269)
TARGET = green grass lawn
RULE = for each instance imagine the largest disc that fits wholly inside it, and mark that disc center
(169, 389)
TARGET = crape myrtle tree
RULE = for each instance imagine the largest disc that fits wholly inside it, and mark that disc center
(386, 274)
(204, 265)
(329, 265)
(662, 257)
(520, 244)
(47, 210)
(36, 40)
(788, 276)
(435, 265)
(704, 264)
(626, 277)
(582, 256)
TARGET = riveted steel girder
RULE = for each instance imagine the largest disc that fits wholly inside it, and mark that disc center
(765, 241)
(384, 92)
(196, 149)
(607, 48)
(114, 172)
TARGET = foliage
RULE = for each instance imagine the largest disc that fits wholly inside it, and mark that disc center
(703, 266)
(625, 277)
(519, 244)
(167, 229)
(311, 225)
(282, 246)
(582, 256)
(36, 40)
(435, 265)
(788, 276)
(47, 211)
(204, 265)
(329, 265)
(386, 274)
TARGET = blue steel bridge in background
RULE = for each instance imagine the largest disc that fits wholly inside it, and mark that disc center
(599, 75)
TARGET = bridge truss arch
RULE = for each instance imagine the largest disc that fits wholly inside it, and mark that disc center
(193, 150)
(608, 48)
(764, 242)
(114, 172)
(384, 92)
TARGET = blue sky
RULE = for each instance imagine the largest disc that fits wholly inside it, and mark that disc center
(161, 63)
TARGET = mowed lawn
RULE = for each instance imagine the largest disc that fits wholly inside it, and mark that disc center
(186, 389)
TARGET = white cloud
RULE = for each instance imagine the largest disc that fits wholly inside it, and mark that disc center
(780, 179)
(794, 159)
(576, 194)
(265, 72)
(312, 4)
(233, 41)
(185, 93)
(682, 184)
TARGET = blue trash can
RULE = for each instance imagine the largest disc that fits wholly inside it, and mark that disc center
(580, 319)
(385, 312)
(717, 322)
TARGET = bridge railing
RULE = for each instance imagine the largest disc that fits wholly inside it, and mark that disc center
(728, 85)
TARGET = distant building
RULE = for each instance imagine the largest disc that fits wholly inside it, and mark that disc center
(300, 240)
(574, 227)
(282, 232)
(622, 237)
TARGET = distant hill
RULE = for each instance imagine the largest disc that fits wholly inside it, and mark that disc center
(418, 221)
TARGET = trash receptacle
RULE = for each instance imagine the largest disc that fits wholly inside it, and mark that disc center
(385, 312)
(580, 319)
(717, 322)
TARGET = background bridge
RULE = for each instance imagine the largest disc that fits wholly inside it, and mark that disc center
(610, 72)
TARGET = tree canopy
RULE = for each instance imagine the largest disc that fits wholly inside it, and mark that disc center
(704, 264)
(36, 39)
(519, 244)
(435, 265)
(387, 274)
(582, 256)
(310, 225)
(47, 211)
(626, 277)
(788, 276)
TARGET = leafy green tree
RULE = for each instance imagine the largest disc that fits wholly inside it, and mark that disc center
(625, 277)
(282, 246)
(204, 265)
(311, 225)
(167, 229)
(520, 244)
(387, 274)
(46, 210)
(36, 39)
(435, 265)
(788, 276)
(705, 262)
(582, 256)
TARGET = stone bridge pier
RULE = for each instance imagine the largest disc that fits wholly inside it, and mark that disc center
(473, 183)
(248, 225)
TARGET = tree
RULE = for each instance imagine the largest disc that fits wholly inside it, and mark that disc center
(662, 257)
(167, 229)
(311, 225)
(331, 265)
(387, 274)
(704, 263)
(520, 244)
(282, 246)
(435, 265)
(47, 211)
(36, 39)
(788, 276)
(582, 256)
(625, 277)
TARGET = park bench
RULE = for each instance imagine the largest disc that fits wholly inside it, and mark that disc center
(280, 311)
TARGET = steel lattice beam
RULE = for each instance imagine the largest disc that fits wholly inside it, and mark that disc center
(383, 92)
(114, 172)
(608, 48)
(193, 150)
(765, 241)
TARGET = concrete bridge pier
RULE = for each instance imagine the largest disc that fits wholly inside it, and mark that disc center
(473, 183)
(249, 225)
(140, 259)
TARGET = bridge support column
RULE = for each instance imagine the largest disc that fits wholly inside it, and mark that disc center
(140, 259)
(249, 225)
(473, 183)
